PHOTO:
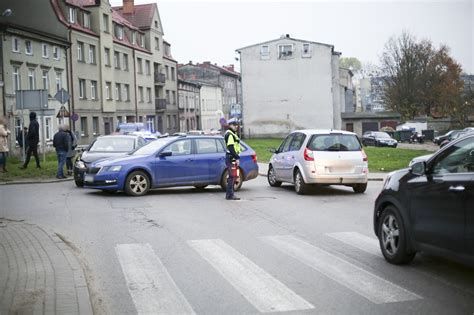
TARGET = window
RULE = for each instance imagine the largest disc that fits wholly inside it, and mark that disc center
(126, 92)
(15, 44)
(168, 121)
(118, 31)
(139, 65)
(48, 125)
(157, 43)
(72, 15)
(31, 79)
(181, 147)
(175, 121)
(459, 158)
(86, 20)
(107, 56)
(80, 51)
(28, 47)
(118, 96)
(45, 50)
(95, 125)
(265, 51)
(108, 90)
(150, 123)
(125, 62)
(297, 142)
(117, 60)
(285, 51)
(134, 38)
(174, 97)
(167, 72)
(148, 95)
(285, 144)
(91, 54)
(147, 67)
(156, 23)
(16, 78)
(82, 88)
(56, 53)
(105, 24)
(306, 50)
(45, 78)
(142, 40)
(206, 146)
(172, 74)
(167, 96)
(59, 83)
(93, 90)
(83, 126)
(140, 94)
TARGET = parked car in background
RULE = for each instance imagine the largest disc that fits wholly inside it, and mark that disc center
(104, 147)
(439, 139)
(126, 128)
(428, 207)
(319, 157)
(378, 139)
(196, 161)
(454, 137)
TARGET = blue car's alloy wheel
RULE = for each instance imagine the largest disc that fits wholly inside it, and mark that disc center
(137, 184)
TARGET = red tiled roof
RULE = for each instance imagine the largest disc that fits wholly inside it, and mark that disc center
(116, 17)
(81, 3)
(170, 58)
(142, 16)
(79, 27)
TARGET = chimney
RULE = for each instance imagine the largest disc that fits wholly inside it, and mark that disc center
(287, 35)
(190, 62)
(128, 7)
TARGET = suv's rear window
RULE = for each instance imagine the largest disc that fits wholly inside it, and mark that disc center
(334, 142)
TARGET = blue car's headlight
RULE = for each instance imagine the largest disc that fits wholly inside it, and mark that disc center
(80, 164)
(113, 168)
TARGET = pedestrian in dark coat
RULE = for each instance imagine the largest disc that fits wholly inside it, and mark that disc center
(71, 153)
(32, 140)
(61, 142)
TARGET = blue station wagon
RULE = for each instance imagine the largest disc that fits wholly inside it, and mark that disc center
(196, 161)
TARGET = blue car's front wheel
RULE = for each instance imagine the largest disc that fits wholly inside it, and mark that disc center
(137, 183)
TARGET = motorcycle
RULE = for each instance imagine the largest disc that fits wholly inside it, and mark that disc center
(416, 138)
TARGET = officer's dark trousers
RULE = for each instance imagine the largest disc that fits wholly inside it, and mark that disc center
(230, 179)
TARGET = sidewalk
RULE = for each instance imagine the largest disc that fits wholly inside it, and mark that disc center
(39, 273)
(263, 170)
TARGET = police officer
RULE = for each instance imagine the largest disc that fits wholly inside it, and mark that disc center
(232, 157)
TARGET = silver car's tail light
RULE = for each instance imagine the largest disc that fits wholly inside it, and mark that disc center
(308, 155)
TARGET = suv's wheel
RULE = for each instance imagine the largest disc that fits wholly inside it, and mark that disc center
(237, 183)
(271, 177)
(79, 183)
(300, 186)
(137, 184)
(359, 188)
(393, 238)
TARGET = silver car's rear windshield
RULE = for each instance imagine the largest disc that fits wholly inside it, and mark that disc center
(334, 142)
(152, 147)
(113, 144)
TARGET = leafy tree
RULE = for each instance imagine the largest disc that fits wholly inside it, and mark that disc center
(350, 63)
(419, 79)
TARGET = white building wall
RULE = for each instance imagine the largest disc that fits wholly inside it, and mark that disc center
(211, 102)
(281, 95)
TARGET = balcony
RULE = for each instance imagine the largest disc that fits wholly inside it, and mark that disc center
(160, 103)
(160, 78)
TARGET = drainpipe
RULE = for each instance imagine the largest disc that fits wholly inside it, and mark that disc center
(69, 83)
(135, 85)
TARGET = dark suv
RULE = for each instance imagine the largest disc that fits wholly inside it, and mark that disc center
(429, 207)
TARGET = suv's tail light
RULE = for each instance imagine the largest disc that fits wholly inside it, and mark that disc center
(308, 155)
(254, 157)
(364, 156)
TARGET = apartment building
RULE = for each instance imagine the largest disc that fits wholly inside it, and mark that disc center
(189, 96)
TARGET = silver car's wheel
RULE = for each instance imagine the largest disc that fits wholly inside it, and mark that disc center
(137, 184)
(300, 186)
(272, 178)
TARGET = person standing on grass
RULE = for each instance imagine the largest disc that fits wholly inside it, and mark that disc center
(71, 153)
(61, 142)
(4, 133)
(32, 140)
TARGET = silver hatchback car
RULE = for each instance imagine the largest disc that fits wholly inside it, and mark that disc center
(324, 157)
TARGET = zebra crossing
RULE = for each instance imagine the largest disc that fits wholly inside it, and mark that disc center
(153, 290)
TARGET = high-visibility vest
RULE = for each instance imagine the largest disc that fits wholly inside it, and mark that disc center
(233, 139)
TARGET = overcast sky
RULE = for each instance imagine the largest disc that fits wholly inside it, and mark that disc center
(213, 30)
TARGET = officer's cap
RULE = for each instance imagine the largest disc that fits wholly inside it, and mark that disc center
(233, 121)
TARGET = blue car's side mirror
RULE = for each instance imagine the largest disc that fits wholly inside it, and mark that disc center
(165, 154)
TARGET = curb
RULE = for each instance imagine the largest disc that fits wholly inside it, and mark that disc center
(41, 181)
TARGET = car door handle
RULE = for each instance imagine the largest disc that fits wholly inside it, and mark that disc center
(456, 188)
(188, 160)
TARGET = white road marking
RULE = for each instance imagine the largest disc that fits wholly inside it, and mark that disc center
(367, 244)
(362, 282)
(152, 289)
(263, 291)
